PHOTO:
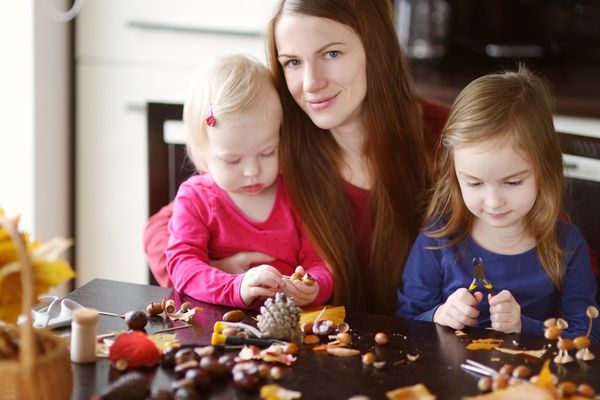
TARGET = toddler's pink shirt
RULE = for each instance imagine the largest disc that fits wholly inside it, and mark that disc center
(207, 225)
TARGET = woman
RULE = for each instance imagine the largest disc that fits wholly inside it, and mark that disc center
(355, 139)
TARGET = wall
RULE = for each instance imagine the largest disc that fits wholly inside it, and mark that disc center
(35, 117)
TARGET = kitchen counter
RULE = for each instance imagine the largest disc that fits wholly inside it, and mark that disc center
(576, 82)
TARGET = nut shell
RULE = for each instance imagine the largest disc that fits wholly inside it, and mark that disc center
(234, 316)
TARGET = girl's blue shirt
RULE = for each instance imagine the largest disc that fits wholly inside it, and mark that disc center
(431, 276)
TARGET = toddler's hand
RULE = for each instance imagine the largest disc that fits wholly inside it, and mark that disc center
(240, 262)
(505, 312)
(459, 310)
(302, 293)
(263, 280)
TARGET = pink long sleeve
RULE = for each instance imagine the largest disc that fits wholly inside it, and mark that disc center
(207, 225)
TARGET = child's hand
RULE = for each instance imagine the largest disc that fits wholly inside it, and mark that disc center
(505, 312)
(302, 293)
(240, 262)
(459, 310)
(263, 280)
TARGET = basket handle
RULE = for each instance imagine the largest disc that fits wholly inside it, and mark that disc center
(28, 350)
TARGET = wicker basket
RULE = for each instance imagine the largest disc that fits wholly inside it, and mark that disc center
(34, 376)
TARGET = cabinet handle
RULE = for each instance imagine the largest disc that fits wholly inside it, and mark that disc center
(571, 166)
(157, 26)
(135, 107)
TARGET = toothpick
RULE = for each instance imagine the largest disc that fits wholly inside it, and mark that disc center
(173, 328)
(321, 313)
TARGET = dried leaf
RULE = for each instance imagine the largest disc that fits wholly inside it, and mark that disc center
(337, 314)
(484, 344)
(187, 316)
(47, 270)
(415, 392)
(276, 392)
(164, 341)
(343, 352)
(531, 353)
(545, 379)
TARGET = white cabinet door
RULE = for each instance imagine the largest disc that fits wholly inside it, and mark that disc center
(111, 167)
(169, 32)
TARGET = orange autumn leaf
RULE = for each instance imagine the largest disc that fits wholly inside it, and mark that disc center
(47, 270)
(484, 344)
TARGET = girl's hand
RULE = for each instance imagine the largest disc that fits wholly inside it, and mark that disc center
(459, 310)
(240, 262)
(300, 291)
(263, 280)
(505, 312)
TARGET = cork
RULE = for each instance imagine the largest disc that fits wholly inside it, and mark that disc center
(85, 316)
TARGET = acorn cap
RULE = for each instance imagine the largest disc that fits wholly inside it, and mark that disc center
(85, 316)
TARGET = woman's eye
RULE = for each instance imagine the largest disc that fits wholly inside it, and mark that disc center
(473, 184)
(332, 54)
(291, 63)
(232, 162)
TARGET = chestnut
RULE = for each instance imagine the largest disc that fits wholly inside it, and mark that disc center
(324, 327)
(234, 316)
(136, 320)
(244, 381)
(484, 384)
(381, 338)
(200, 378)
(368, 358)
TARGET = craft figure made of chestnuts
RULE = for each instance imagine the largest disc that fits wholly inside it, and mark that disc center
(553, 328)
(279, 317)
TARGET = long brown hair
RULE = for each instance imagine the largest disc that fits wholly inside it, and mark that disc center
(394, 150)
(512, 106)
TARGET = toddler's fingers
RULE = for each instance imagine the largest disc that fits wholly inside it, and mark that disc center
(258, 291)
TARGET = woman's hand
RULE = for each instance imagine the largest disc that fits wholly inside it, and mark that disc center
(263, 280)
(459, 310)
(505, 312)
(240, 262)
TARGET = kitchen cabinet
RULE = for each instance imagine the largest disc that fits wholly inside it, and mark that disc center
(127, 53)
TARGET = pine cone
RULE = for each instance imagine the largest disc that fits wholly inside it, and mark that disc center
(279, 317)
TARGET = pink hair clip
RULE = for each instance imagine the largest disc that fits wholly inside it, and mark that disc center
(210, 120)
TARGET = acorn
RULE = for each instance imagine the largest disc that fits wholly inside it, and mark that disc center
(154, 308)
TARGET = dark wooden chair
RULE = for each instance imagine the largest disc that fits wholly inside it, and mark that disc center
(582, 195)
(168, 165)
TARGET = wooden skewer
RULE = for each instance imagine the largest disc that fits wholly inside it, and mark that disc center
(173, 328)
(109, 314)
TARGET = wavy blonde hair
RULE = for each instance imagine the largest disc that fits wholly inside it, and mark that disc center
(514, 107)
(394, 149)
(235, 86)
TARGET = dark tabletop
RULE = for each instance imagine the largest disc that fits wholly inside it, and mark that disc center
(320, 376)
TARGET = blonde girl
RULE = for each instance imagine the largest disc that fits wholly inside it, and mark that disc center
(238, 203)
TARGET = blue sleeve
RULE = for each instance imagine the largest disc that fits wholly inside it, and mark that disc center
(532, 326)
(420, 293)
(579, 287)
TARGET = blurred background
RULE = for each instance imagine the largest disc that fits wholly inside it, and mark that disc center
(77, 77)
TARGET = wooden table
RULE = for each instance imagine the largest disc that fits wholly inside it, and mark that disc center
(319, 376)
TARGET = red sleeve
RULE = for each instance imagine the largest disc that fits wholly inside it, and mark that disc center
(434, 117)
(156, 239)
